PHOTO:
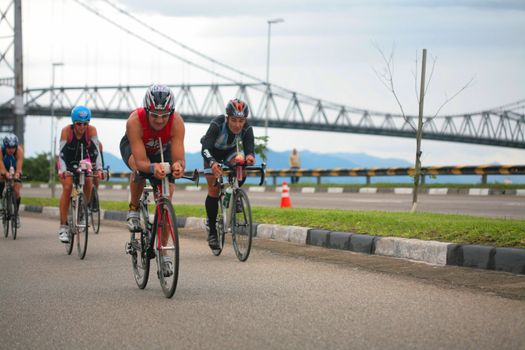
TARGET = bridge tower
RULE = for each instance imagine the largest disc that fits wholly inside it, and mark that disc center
(11, 72)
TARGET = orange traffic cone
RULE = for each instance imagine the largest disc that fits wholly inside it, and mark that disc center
(285, 196)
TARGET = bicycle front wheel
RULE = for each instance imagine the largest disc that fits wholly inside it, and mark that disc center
(166, 245)
(71, 223)
(94, 210)
(5, 215)
(241, 223)
(14, 214)
(82, 226)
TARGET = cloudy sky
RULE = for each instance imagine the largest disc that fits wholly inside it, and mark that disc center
(324, 48)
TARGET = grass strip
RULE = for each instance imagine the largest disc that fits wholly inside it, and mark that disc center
(421, 225)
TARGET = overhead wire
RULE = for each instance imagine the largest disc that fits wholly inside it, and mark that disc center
(139, 37)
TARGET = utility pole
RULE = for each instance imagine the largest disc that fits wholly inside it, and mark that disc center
(19, 110)
(53, 136)
(268, 90)
(419, 133)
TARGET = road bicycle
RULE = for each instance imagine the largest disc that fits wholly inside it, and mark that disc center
(235, 213)
(159, 238)
(9, 214)
(77, 218)
(94, 203)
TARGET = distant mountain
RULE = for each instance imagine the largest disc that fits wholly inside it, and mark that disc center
(311, 160)
(279, 160)
(116, 164)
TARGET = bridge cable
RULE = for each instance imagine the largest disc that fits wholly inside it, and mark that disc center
(276, 88)
(184, 46)
(153, 44)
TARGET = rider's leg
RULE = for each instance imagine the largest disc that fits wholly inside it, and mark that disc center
(165, 231)
(2, 186)
(67, 186)
(212, 207)
(136, 186)
(16, 188)
(88, 188)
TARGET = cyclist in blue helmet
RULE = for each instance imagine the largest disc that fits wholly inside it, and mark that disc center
(13, 157)
(78, 141)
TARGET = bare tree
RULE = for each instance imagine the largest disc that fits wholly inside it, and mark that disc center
(387, 78)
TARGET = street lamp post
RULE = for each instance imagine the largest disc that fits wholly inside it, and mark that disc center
(53, 136)
(270, 22)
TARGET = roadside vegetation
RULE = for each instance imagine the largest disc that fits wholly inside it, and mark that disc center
(421, 225)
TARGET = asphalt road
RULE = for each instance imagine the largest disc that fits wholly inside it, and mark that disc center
(491, 206)
(284, 297)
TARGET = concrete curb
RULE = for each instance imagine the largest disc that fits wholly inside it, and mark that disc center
(341, 190)
(432, 252)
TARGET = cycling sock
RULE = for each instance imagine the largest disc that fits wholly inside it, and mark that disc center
(212, 206)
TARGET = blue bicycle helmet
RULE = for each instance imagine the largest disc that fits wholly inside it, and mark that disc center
(81, 114)
(10, 140)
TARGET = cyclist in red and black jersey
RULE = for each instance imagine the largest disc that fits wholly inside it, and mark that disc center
(78, 141)
(140, 146)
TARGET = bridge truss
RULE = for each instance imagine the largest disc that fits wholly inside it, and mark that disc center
(198, 103)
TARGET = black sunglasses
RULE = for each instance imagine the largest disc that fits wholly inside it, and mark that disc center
(80, 124)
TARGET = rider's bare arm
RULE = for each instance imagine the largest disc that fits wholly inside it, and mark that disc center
(64, 135)
(93, 135)
(177, 146)
(19, 160)
(134, 133)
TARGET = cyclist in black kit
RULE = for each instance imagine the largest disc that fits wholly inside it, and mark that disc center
(219, 144)
(78, 141)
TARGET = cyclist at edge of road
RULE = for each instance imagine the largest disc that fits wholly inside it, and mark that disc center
(78, 141)
(140, 147)
(141, 150)
(12, 156)
(219, 144)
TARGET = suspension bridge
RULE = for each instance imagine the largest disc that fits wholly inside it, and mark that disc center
(271, 105)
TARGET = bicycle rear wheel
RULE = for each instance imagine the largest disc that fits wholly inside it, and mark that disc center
(71, 223)
(166, 245)
(14, 214)
(139, 254)
(6, 214)
(82, 226)
(140, 260)
(94, 210)
(241, 223)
